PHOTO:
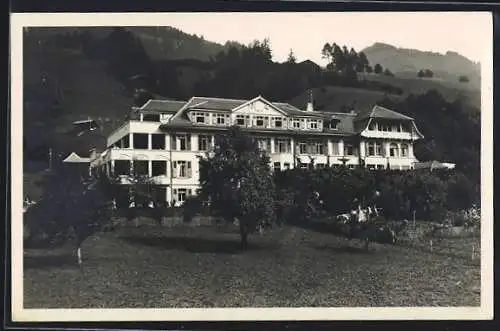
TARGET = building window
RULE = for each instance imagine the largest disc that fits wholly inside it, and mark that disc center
(317, 148)
(404, 150)
(312, 124)
(201, 118)
(371, 166)
(393, 150)
(221, 119)
(158, 141)
(370, 149)
(182, 169)
(159, 168)
(302, 148)
(242, 120)
(320, 166)
(286, 166)
(151, 117)
(351, 166)
(335, 148)
(277, 166)
(296, 124)
(125, 142)
(348, 149)
(334, 124)
(380, 166)
(278, 122)
(260, 121)
(374, 149)
(183, 142)
(180, 194)
(372, 126)
(398, 128)
(282, 146)
(204, 142)
(140, 141)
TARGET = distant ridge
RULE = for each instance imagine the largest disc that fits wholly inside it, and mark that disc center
(448, 66)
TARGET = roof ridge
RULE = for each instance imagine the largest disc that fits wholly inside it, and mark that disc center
(160, 100)
(222, 99)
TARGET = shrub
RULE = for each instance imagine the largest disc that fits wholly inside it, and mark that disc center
(429, 194)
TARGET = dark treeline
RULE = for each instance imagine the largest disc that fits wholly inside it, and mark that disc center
(239, 72)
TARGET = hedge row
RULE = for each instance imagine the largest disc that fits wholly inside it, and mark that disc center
(429, 194)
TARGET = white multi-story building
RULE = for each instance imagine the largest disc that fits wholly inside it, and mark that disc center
(166, 138)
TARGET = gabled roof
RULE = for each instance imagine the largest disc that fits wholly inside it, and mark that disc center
(260, 98)
(75, 158)
(382, 112)
(170, 106)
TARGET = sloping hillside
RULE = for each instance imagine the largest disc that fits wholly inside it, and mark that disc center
(448, 66)
(61, 86)
(448, 89)
(341, 99)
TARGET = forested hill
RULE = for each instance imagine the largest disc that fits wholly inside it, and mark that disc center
(449, 66)
(160, 43)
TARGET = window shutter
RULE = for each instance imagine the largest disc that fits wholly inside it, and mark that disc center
(174, 164)
(188, 142)
(189, 170)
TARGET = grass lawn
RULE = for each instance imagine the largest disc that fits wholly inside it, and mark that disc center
(152, 267)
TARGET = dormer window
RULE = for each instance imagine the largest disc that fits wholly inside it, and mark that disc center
(313, 124)
(221, 119)
(334, 124)
(278, 122)
(296, 124)
(200, 118)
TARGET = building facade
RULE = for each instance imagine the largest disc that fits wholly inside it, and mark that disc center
(164, 139)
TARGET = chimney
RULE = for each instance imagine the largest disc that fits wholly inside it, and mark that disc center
(310, 105)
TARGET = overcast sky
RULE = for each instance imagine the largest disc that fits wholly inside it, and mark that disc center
(306, 33)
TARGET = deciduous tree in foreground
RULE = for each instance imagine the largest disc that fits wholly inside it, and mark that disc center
(236, 181)
(72, 207)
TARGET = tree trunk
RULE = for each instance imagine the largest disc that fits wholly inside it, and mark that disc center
(243, 235)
